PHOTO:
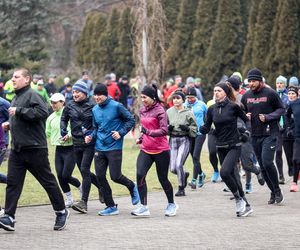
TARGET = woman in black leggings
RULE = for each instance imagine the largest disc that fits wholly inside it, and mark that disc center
(154, 148)
(224, 114)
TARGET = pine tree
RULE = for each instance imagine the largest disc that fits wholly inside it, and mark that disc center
(225, 50)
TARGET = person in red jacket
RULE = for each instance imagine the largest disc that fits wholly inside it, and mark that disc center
(112, 88)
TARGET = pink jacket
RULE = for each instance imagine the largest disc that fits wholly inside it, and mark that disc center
(154, 120)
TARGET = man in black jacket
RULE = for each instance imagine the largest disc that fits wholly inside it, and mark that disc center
(264, 108)
(28, 113)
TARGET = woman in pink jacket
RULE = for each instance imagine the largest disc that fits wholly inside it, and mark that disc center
(154, 148)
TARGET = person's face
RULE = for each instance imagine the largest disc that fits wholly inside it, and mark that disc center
(191, 99)
(191, 85)
(40, 87)
(280, 86)
(219, 94)
(177, 101)
(51, 80)
(85, 77)
(178, 80)
(254, 84)
(56, 106)
(146, 100)
(78, 96)
(100, 98)
(20, 81)
(292, 96)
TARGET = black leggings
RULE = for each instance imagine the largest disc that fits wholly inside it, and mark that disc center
(64, 165)
(211, 143)
(296, 160)
(84, 156)
(288, 150)
(195, 151)
(228, 159)
(278, 155)
(144, 163)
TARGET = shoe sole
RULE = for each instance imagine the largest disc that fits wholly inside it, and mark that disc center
(246, 213)
(6, 227)
(143, 215)
(79, 209)
(110, 214)
(63, 227)
(280, 203)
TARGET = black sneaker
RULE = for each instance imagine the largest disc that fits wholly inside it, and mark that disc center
(281, 180)
(61, 220)
(180, 192)
(80, 206)
(260, 178)
(187, 174)
(279, 197)
(272, 199)
(7, 223)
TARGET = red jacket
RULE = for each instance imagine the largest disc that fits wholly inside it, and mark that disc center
(114, 91)
(154, 120)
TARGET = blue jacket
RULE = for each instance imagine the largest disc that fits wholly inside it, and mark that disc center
(199, 109)
(107, 117)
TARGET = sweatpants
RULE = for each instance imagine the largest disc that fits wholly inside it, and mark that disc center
(39, 167)
(228, 159)
(84, 155)
(64, 165)
(195, 150)
(112, 160)
(144, 163)
(211, 143)
(180, 147)
(264, 148)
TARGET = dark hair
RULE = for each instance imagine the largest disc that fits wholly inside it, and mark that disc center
(227, 89)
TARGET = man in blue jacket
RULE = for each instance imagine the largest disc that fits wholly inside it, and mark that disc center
(111, 121)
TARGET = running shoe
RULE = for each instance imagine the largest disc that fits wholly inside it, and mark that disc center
(193, 184)
(248, 188)
(141, 211)
(201, 179)
(80, 206)
(69, 203)
(215, 177)
(240, 206)
(108, 211)
(247, 211)
(171, 210)
(7, 223)
(272, 199)
(294, 187)
(260, 178)
(279, 197)
(61, 220)
(281, 180)
(180, 192)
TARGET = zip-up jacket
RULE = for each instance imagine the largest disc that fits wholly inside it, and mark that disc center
(27, 127)
(293, 117)
(199, 109)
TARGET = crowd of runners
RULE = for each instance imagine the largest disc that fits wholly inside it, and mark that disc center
(247, 125)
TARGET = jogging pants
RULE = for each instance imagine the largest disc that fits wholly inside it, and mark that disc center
(39, 167)
(195, 150)
(64, 165)
(211, 143)
(264, 148)
(278, 155)
(180, 147)
(144, 163)
(113, 160)
(84, 155)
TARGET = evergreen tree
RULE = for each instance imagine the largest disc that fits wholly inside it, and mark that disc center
(284, 55)
(205, 21)
(225, 50)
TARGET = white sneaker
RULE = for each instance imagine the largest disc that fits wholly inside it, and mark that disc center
(240, 206)
(1, 212)
(69, 203)
(142, 211)
(171, 209)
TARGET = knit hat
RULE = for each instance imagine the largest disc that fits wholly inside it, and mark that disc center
(190, 80)
(293, 89)
(149, 91)
(180, 93)
(57, 97)
(237, 74)
(225, 87)
(81, 86)
(234, 82)
(191, 92)
(100, 89)
(293, 81)
(254, 74)
(281, 79)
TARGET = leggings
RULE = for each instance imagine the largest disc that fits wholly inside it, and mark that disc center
(180, 147)
(228, 159)
(296, 160)
(288, 150)
(64, 165)
(144, 163)
(278, 155)
(211, 143)
(195, 150)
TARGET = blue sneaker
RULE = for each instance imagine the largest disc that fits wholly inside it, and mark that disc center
(135, 197)
(215, 177)
(109, 211)
(7, 223)
(141, 211)
(201, 179)
(248, 188)
(171, 210)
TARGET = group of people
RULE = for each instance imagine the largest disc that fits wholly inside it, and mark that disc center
(241, 129)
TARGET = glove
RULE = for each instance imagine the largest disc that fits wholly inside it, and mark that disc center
(144, 131)
(184, 128)
(244, 137)
(63, 132)
(170, 128)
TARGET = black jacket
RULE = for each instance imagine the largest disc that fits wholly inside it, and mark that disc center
(81, 119)
(28, 125)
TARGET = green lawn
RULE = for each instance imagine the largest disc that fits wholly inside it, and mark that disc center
(34, 194)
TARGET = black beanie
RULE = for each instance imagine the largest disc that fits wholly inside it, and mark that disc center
(225, 87)
(100, 89)
(293, 89)
(191, 92)
(234, 82)
(150, 92)
(180, 93)
(254, 74)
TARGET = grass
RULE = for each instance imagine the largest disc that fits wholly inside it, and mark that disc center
(34, 194)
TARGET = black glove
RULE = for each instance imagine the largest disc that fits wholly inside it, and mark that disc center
(184, 128)
(143, 130)
(244, 137)
(170, 128)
